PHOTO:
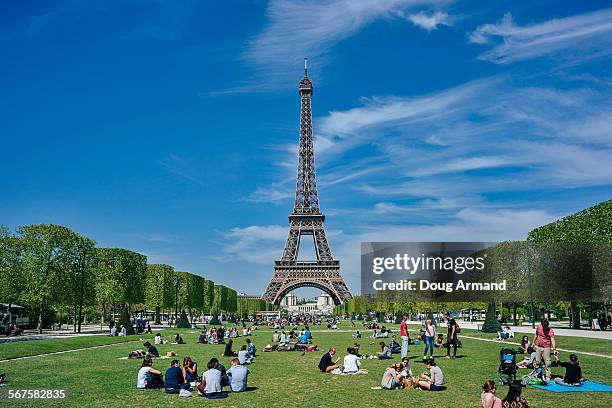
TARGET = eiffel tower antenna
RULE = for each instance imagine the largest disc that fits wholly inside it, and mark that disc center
(306, 219)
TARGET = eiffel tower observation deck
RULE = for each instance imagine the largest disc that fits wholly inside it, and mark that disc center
(306, 219)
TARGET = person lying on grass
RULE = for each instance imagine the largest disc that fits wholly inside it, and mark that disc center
(385, 351)
(148, 377)
(434, 380)
(573, 372)
(151, 350)
(174, 379)
(527, 361)
(190, 370)
(326, 364)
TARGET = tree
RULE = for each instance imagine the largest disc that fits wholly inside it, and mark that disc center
(122, 274)
(45, 258)
(12, 277)
(209, 295)
(159, 288)
(591, 225)
(79, 289)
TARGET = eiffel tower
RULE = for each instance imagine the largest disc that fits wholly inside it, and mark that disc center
(306, 219)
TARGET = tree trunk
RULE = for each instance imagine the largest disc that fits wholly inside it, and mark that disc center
(514, 314)
(40, 317)
(157, 316)
(74, 321)
(574, 315)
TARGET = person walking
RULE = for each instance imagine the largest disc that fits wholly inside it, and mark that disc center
(404, 336)
(451, 336)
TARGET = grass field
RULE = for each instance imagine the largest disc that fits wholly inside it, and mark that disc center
(98, 377)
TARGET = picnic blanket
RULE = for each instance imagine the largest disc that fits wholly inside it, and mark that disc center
(587, 386)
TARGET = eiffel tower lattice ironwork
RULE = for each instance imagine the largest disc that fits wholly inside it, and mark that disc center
(306, 219)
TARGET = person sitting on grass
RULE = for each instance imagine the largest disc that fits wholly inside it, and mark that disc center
(351, 363)
(391, 378)
(251, 348)
(514, 399)
(283, 337)
(303, 339)
(203, 339)
(488, 397)
(238, 375)
(440, 341)
(174, 380)
(357, 335)
(190, 370)
(275, 337)
(573, 372)
(537, 374)
(211, 385)
(355, 349)
(394, 345)
(407, 369)
(228, 349)
(385, 351)
(525, 347)
(243, 356)
(178, 339)
(151, 350)
(505, 334)
(326, 364)
(158, 339)
(434, 380)
(148, 377)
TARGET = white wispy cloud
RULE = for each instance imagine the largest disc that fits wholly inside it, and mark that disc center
(182, 167)
(429, 20)
(576, 37)
(296, 29)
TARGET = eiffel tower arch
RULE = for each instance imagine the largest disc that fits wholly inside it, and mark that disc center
(306, 220)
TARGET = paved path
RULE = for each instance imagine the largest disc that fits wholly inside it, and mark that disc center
(86, 330)
(559, 331)
(68, 351)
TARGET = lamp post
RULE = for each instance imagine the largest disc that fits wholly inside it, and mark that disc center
(176, 301)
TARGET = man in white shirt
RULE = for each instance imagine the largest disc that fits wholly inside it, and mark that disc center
(351, 362)
(211, 379)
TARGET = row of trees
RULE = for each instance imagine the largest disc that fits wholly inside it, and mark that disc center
(51, 266)
(564, 265)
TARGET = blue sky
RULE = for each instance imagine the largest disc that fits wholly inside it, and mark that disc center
(170, 128)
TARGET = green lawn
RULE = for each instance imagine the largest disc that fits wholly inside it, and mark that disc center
(99, 377)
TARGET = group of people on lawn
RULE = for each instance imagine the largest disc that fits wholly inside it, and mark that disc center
(398, 375)
(180, 380)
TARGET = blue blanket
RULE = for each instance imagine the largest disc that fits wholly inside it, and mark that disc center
(587, 386)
